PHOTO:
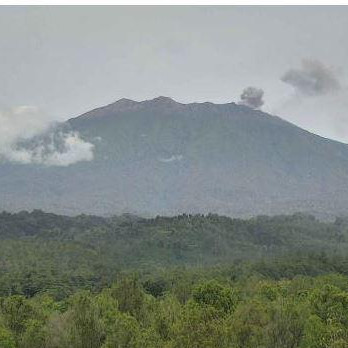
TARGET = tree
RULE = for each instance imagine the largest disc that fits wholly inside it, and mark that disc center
(7, 339)
(213, 294)
(86, 327)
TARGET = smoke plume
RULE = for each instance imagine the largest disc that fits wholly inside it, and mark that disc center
(252, 97)
(320, 101)
(28, 137)
(313, 79)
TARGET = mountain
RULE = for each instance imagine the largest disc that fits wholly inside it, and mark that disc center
(163, 157)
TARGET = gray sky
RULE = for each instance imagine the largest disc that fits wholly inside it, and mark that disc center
(67, 60)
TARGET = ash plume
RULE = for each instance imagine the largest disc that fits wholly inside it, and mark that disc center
(312, 79)
(252, 97)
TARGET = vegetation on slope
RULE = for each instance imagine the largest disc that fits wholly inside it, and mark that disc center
(187, 310)
(47, 252)
(181, 282)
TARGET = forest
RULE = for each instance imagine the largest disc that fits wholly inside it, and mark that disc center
(188, 281)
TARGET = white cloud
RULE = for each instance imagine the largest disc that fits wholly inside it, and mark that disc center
(27, 136)
(171, 158)
(75, 150)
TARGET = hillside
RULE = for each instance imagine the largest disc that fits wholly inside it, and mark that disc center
(163, 157)
(183, 281)
(89, 251)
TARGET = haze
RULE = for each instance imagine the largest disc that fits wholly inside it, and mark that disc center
(67, 60)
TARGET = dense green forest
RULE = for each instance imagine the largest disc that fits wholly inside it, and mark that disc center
(185, 281)
(60, 254)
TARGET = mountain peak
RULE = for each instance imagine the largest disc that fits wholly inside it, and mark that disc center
(163, 101)
(124, 103)
(163, 157)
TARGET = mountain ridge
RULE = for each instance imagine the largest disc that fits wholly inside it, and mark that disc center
(162, 157)
(126, 103)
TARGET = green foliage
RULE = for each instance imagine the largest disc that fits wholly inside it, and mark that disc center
(60, 254)
(286, 326)
(16, 311)
(214, 294)
(199, 327)
(34, 335)
(124, 334)
(248, 326)
(85, 324)
(75, 285)
(303, 312)
(331, 304)
(7, 339)
(130, 297)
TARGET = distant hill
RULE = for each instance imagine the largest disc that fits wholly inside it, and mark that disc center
(62, 252)
(163, 157)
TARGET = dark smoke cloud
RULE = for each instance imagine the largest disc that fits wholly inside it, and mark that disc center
(312, 79)
(252, 97)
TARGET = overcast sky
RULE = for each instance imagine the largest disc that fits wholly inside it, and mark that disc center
(67, 60)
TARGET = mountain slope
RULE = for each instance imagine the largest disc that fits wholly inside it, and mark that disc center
(163, 157)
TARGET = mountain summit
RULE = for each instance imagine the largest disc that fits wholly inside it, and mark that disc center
(163, 157)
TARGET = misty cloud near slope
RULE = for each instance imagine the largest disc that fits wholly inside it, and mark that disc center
(313, 79)
(252, 97)
(28, 137)
(171, 158)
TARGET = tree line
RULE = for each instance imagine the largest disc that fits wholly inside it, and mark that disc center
(189, 281)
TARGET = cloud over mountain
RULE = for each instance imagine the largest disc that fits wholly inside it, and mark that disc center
(27, 137)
